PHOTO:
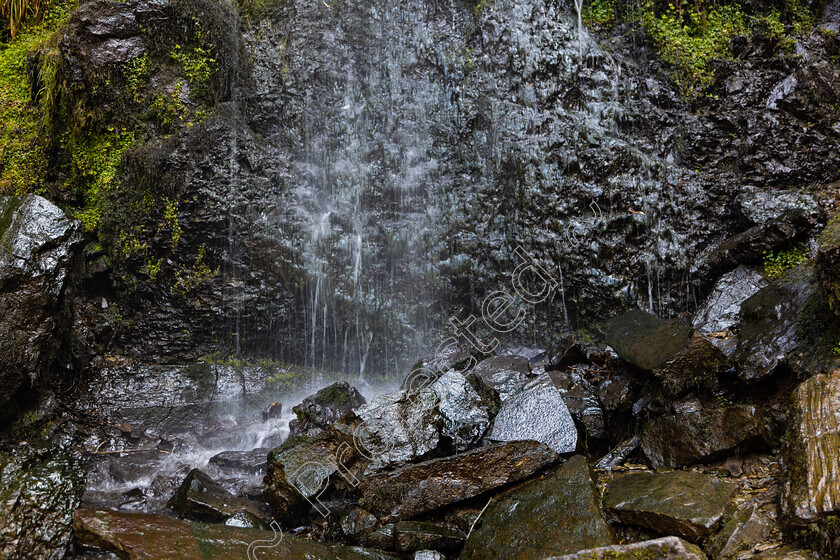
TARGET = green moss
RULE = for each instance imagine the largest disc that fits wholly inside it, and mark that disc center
(187, 280)
(254, 10)
(137, 72)
(94, 163)
(198, 67)
(777, 263)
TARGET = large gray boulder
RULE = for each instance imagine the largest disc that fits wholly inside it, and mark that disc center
(537, 412)
(39, 246)
(555, 515)
(323, 409)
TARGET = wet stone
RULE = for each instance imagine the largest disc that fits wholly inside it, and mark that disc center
(418, 488)
(400, 427)
(536, 412)
(676, 354)
(40, 487)
(504, 374)
(686, 504)
(582, 400)
(666, 548)
(251, 462)
(465, 413)
(151, 537)
(704, 436)
(418, 535)
(517, 524)
(745, 529)
(201, 498)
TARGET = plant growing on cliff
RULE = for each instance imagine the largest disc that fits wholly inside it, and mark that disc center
(777, 263)
(16, 12)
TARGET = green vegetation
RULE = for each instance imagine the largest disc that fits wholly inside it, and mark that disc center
(94, 163)
(689, 36)
(23, 127)
(188, 279)
(198, 68)
(777, 263)
(254, 10)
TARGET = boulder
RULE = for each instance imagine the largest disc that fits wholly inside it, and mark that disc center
(301, 469)
(356, 522)
(39, 250)
(721, 310)
(677, 355)
(828, 263)
(400, 427)
(558, 514)
(504, 374)
(40, 488)
(705, 435)
(536, 411)
(768, 330)
(465, 414)
(747, 528)
(324, 408)
(138, 536)
(412, 536)
(415, 489)
(272, 411)
(429, 555)
(618, 393)
(251, 462)
(686, 504)
(812, 487)
(582, 400)
(457, 356)
(203, 499)
(666, 548)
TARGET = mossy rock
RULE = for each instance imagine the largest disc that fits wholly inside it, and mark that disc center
(828, 263)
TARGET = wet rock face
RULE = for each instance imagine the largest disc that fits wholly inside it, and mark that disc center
(705, 435)
(681, 503)
(768, 331)
(676, 354)
(415, 489)
(828, 263)
(253, 462)
(203, 499)
(411, 536)
(146, 537)
(40, 488)
(324, 409)
(812, 488)
(515, 526)
(536, 412)
(666, 548)
(39, 248)
(581, 398)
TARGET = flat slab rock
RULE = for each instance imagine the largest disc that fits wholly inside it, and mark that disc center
(138, 536)
(666, 548)
(415, 489)
(678, 355)
(811, 453)
(679, 503)
(536, 412)
(558, 514)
